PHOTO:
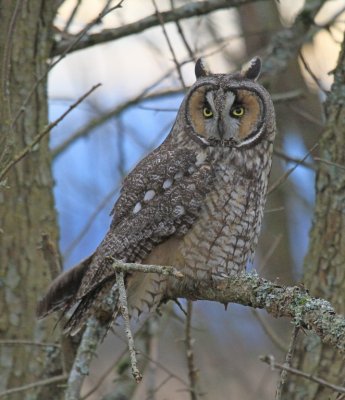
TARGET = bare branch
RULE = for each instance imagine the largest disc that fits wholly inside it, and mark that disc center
(246, 289)
(187, 11)
(72, 15)
(89, 222)
(125, 314)
(16, 342)
(74, 41)
(250, 290)
(285, 176)
(286, 44)
(288, 158)
(270, 361)
(192, 371)
(181, 33)
(177, 64)
(45, 131)
(33, 385)
(331, 163)
(83, 132)
(156, 269)
(311, 73)
(270, 332)
(287, 363)
(93, 333)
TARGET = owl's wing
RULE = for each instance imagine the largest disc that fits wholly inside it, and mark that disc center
(160, 198)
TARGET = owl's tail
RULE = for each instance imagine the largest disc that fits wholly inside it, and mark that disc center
(61, 292)
(62, 296)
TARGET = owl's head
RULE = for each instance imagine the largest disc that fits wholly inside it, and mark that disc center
(228, 109)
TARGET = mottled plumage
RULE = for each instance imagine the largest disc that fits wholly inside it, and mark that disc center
(196, 202)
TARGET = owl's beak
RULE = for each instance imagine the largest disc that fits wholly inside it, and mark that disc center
(221, 128)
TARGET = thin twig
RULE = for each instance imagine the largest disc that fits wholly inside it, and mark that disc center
(41, 135)
(89, 223)
(289, 158)
(273, 210)
(269, 253)
(322, 160)
(151, 348)
(158, 387)
(287, 363)
(72, 15)
(158, 109)
(111, 368)
(311, 73)
(192, 9)
(157, 269)
(166, 370)
(306, 115)
(286, 96)
(192, 371)
(76, 39)
(102, 378)
(284, 177)
(15, 342)
(83, 132)
(43, 382)
(181, 33)
(125, 314)
(177, 64)
(271, 362)
(270, 332)
(142, 97)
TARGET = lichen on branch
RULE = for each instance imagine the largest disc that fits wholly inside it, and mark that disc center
(293, 302)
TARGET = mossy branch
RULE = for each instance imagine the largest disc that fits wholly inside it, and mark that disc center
(293, 302)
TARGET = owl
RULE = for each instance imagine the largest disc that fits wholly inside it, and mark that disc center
(196, 202)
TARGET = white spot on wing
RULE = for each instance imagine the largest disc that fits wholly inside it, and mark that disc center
(205, 141)
(167, 183)
(179, 175)
(200, 158)
(137, 208)
(149, 195)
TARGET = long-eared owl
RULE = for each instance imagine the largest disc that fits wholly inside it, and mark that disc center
(196, 202)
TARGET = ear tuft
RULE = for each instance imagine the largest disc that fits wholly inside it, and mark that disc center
(201, 69)
(252, 69)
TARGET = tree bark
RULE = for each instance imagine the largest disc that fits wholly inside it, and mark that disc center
(324, 273)
(26, 199)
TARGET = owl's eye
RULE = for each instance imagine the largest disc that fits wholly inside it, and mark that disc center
(207, 112)
(237, 112)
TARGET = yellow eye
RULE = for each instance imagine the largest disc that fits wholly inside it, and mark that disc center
(237, 112)
(207, 112)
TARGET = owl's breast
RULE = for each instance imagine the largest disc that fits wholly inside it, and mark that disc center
(225, 235)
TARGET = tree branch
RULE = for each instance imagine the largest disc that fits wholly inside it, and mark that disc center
(293, 302)
(189, 10)
(44, 132)
(125, 315)
(270, 361)
(34, 385)
(93, 333)
(247, 289)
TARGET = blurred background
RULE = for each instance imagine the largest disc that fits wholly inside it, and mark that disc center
(130, 114)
